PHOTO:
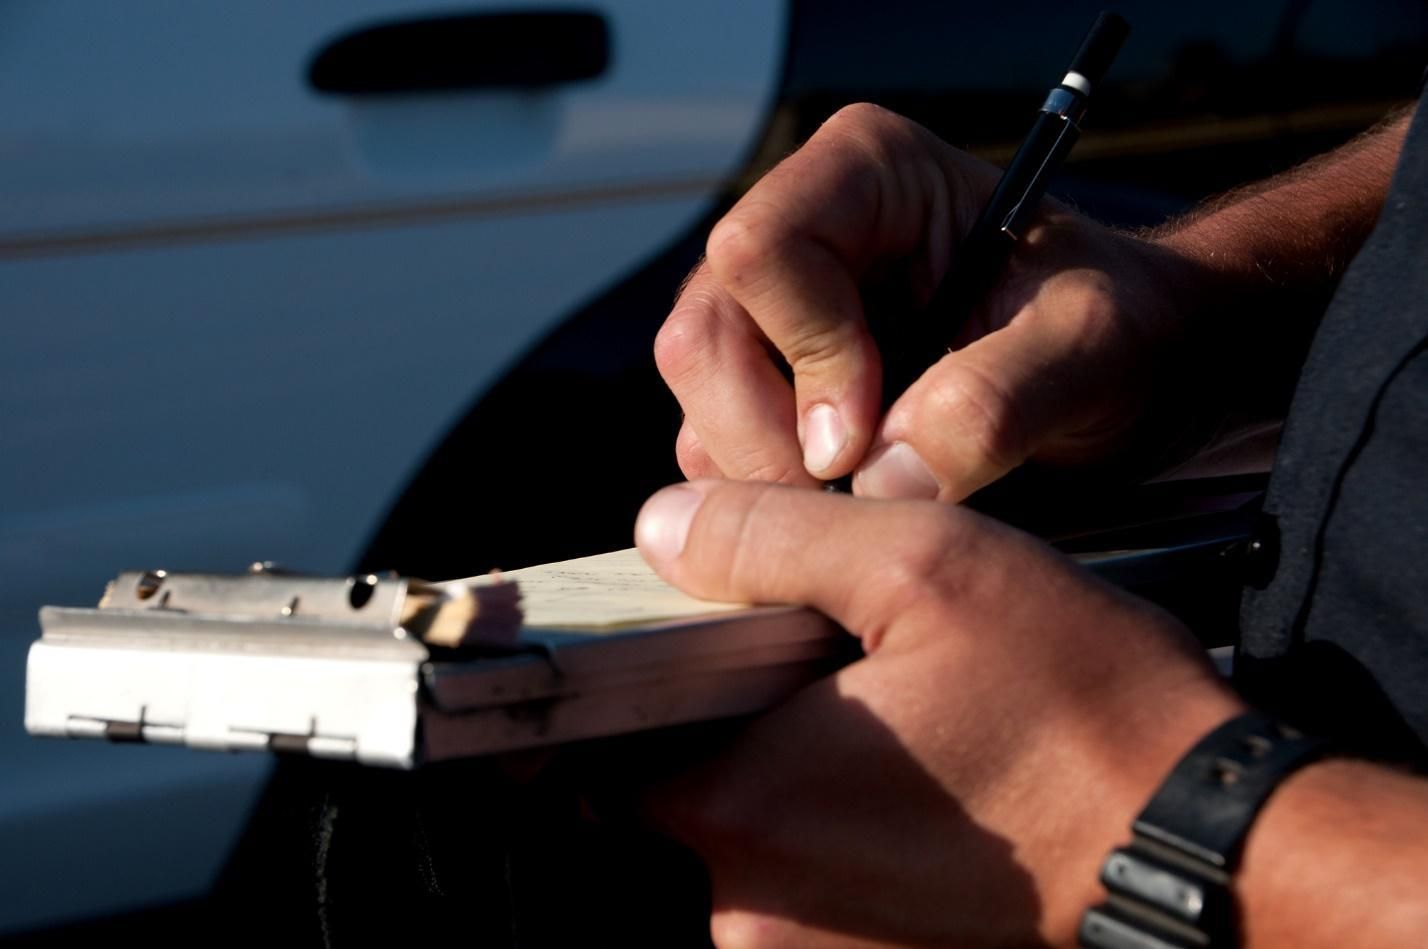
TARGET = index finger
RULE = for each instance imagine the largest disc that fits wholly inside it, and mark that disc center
(735, 402)
(866, 188)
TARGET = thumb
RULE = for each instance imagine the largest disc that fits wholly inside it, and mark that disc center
(983, 410)
(866, 565)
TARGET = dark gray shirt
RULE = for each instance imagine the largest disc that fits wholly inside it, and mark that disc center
(1338, 636)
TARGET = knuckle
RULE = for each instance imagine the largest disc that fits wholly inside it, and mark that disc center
(919, 570)
(685, 341)
(737, 929)
(1105, 323)
(742, 242)
(694, 461)
(862, 115)
(881, 133)
(968, 405)
(1085, 298)
(694, 466)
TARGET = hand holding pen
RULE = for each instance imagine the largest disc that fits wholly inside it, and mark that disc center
(1054, 365)
(982, 256)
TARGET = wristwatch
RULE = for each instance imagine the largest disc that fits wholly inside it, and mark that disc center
(1169, 888)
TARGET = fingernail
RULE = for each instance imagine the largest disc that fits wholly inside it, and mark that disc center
(824, 436)
(897, 472)
(663, 524)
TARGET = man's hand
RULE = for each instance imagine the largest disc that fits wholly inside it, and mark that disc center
(962, 783)
(1058, 363)
(1093, 346)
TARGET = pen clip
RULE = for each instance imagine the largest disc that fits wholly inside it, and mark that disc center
(1035, 188)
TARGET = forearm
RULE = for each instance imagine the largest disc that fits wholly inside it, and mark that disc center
(1338, 857)
(1251, 274)
(1292, 236)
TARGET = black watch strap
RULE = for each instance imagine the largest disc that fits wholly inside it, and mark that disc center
(1169, 888)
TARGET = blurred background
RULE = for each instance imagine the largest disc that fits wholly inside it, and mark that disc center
(372, 284)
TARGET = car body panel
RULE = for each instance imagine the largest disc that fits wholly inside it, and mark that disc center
(239, 314)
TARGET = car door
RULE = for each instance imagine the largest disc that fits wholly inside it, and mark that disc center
(254, 260)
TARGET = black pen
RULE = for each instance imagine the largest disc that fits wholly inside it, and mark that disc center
(983, 253)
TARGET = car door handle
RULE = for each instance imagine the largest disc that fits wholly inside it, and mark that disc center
(525, 50)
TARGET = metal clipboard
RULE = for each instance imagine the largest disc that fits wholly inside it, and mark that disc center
(285, 663)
